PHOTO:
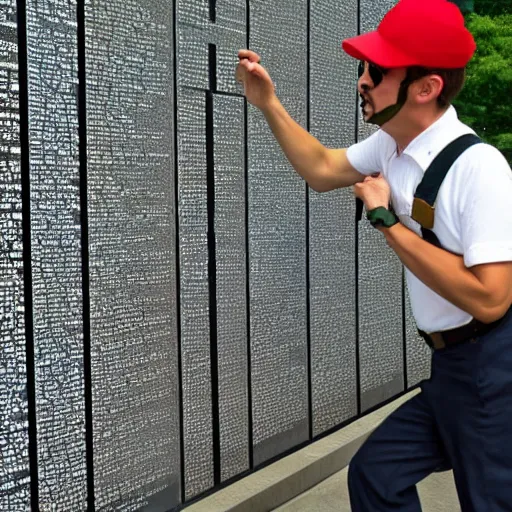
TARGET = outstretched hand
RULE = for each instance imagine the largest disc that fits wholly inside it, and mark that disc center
(258, 86)
(374, 191)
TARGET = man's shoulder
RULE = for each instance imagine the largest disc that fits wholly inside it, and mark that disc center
(379, 142)
(478, 153)
(370, 155)
(484, 155)
(481, 169)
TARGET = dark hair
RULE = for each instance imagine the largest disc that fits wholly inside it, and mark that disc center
(453, 81)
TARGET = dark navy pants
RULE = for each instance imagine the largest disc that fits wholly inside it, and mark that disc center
(462, 420)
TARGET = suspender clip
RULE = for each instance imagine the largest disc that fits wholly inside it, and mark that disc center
(423, 213)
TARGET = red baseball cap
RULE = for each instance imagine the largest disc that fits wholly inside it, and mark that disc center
(416, 33)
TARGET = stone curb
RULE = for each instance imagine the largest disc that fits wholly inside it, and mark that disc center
(285, 479)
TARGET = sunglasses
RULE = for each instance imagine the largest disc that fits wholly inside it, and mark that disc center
(376, 72)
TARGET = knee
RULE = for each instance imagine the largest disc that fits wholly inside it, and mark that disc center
(357, 470)
(366, 482)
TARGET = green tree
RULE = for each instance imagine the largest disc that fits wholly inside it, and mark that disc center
(484, 103)
(493, 7)
(465, 5)
(485, 7)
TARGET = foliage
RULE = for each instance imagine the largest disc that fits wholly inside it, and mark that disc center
(485, 7)
(465, 5)
(493, 7)
(484, 103)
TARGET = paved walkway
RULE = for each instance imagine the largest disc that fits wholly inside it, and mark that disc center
(437, 494)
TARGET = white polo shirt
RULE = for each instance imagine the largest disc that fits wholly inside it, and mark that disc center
(473, 209)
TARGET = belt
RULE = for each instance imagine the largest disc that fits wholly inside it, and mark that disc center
(469, 332)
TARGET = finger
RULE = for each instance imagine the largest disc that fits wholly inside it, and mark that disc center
(257, 70)
(240, 73)
(244, 67)
(249, 54)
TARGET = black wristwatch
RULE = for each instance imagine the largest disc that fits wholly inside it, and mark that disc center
(382, 217)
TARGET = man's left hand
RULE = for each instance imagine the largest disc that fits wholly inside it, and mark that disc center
(374, 191)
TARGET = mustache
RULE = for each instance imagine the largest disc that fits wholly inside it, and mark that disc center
(365, 100)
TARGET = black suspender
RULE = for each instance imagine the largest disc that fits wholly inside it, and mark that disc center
(423, 209)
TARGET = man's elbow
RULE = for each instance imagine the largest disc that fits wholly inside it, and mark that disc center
(321, 182)
(492, 312)
(324, 180)
(494, 297)
(321, 186)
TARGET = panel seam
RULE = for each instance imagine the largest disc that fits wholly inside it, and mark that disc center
(359, 206)
(84, 222)
(307, 233)
(21, 18)
(247, 257)
(177, 255)
(212, 259)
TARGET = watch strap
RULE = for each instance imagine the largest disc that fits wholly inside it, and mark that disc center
(381, 216)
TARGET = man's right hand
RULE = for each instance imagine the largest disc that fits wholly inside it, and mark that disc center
(323, 169)
(258, 86)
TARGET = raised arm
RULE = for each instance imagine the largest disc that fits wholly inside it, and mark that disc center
(323, 169)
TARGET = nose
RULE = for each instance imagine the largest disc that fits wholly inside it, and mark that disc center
(363, 88)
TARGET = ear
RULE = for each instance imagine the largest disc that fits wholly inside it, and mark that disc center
(429, 88)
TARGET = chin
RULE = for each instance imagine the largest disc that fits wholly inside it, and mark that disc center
(366, 115)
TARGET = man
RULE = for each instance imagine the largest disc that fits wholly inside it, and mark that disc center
(460, 280)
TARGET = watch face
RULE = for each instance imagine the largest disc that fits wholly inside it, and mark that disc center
(382, 217)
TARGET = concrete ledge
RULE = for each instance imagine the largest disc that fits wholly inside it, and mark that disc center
(282, 481)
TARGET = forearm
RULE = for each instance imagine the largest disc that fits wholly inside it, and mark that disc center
(443, 272)
(305, 153)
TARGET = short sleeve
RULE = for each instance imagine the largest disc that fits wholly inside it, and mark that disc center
(367, 156)
(485, 206)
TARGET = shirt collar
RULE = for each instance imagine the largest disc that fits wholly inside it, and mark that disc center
(428, 144)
